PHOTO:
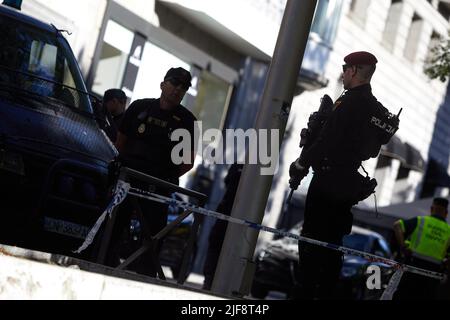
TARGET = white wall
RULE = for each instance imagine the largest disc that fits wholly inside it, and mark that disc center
(143, 8)
(255, 21)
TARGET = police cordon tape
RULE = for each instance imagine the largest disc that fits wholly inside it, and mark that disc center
(372, 258)
(388, 293)
(120, 193)
(123, 189)
(390, 289)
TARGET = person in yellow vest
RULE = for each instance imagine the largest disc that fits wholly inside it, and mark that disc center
(424, 242)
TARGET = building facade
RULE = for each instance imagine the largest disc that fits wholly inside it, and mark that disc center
(400, 34)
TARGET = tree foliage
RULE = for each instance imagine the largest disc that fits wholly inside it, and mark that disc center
(438, 66)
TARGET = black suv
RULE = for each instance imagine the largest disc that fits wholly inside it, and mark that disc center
(54, 158)
(277, 265)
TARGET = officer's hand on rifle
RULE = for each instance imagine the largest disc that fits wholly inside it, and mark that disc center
(297, 172)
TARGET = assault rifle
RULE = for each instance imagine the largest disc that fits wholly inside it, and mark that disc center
(308, 136)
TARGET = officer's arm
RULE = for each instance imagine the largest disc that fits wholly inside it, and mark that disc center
(332, 134)
(399, 231)
(313, 154)
(318, 150)
(191, 127)
(124, 128)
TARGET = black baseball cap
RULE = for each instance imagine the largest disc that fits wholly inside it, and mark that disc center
(114, 93)
(179, 73)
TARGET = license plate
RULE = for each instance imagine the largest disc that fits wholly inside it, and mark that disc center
(65, 228)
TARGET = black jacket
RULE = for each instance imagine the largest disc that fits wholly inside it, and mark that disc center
(345, 135)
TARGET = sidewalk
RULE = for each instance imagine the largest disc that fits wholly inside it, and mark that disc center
(32, 275)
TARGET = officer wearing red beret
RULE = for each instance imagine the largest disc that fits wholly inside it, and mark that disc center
(335, 156)
(361, 58)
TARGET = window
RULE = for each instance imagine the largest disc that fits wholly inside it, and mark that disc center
(403, 173)
(444, 9)
(392, 24)
(434, 41)
(326, 19)
(320, 17)
(68, 79)
(154, 65)
(381, 248)
(212, 100)
(40, 63)
(383, 162)
(113, 58)
(413, 40)
(358, 11)
(357, 241)
(352, 5)
(43, 59)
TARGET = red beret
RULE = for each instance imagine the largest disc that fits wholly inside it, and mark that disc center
(360, 58)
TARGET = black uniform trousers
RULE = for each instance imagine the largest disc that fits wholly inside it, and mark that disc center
(327, 218)
(155, 219)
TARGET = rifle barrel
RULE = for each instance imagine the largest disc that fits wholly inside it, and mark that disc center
(290, 196)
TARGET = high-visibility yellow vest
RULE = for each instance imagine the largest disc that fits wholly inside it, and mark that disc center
(430, 240)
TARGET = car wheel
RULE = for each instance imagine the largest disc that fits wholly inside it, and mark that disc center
(259, 291)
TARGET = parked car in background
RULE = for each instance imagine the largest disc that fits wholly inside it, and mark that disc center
(277, 265)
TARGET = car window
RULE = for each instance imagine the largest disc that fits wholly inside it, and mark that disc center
(381, 247)
(42, 59)
(357, 241)
(41, 63)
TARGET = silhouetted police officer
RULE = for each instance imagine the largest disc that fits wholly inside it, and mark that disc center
(114, 104)
(144, 143)
(353, 133)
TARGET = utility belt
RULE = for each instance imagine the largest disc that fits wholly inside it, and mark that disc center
(327, 166)
(335, 169)
(353, 186)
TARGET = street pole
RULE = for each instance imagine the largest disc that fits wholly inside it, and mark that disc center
(235, 267)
